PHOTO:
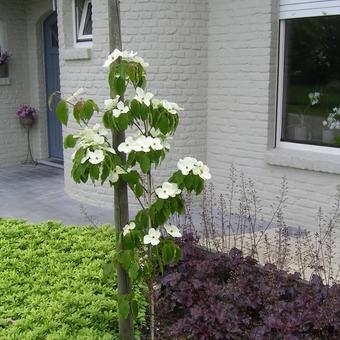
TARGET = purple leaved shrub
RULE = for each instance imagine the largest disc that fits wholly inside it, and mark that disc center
(227, 296)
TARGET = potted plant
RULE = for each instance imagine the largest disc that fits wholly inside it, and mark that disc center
(27, 115)
(330, 125)
(301, 131)
(4, 58)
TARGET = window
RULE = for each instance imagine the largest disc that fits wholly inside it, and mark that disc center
(309, 73)
(83, 20)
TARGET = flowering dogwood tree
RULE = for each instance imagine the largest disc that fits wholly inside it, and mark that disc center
(148, 241)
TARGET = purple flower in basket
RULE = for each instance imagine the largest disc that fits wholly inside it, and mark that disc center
(26, 111)
(4, 57)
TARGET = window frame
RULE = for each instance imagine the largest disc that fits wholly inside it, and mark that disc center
(279, 105)
(79, 24)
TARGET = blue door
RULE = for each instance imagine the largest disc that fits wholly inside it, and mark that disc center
(55, 137)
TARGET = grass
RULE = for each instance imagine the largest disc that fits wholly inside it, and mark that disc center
(51, 283)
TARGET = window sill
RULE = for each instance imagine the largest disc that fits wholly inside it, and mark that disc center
(77, 54)
(304, 159)
(5, 81)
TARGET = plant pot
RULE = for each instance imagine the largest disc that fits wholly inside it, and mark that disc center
(26, 122)
(300, 133)
(328, 136)
(4, 71)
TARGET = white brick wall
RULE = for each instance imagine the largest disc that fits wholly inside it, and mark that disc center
(12, 136)
(241, 96)
(172, 36)
(25, 42)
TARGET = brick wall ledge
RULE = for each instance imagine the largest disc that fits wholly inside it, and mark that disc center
(302, 159)
(5, 81)
(77, 54)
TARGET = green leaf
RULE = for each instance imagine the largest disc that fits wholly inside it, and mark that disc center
(144, 112)
(163, 124)
(76, 113)
(135, 108)
(94, 172)
(167, 253)
(107, 119)
(133, 271)
(120, 86)
(143, 161)
(141, 219)
(70, 141)
(138, 190)
(132, 177)
(123, 121)
(134, 308)
(123, 307)
(87, 110)
(62, 112)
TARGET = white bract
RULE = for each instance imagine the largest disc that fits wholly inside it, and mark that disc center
(172, 230)
(143, 97)
(186, 164)
(110, 104)
(92, 136)
(75, 97)
(168, 190)
(125, 55)
(173, 108)
(94, 157)
(140, 60)
(121, 108)
(114, 174)
(126, 146)
(152, 237)
(201, 170)
(141, 143)
(314, 97)
(155, 143)
(128, 228)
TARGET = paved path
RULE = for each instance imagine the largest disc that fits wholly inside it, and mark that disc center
(36, 193)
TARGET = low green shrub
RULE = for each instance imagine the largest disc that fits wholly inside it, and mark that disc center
(51, 282)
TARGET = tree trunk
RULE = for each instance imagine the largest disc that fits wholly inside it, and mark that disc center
(121, 205)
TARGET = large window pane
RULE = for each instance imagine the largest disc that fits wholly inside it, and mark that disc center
(311, 89)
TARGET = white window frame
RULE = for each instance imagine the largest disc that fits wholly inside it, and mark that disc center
(84, 40)
(291, 145)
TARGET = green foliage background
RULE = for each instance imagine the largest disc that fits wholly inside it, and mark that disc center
(51, 282)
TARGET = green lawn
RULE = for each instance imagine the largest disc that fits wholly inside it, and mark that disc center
(51, 282)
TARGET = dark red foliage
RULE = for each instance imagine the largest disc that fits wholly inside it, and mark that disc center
(227, 296)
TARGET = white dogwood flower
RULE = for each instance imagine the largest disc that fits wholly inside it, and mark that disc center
(156, 103)
(127, 146)
(167, 190)
(143, 97)
(94, 136)
(121, 108)
(110, 104)
(155, 143)
(75, 97)
(201, 170)
(96, 156)
(128, 227)
(152, 237)
(114, 174)
(140, 60)
(125, 55)
(186, 164)
(172, 230)
(141, 143)
(314, 97)
(173, 108)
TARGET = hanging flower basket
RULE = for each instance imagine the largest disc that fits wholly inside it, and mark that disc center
(26, 121)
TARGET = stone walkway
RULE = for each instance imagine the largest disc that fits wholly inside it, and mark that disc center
(36, 193)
